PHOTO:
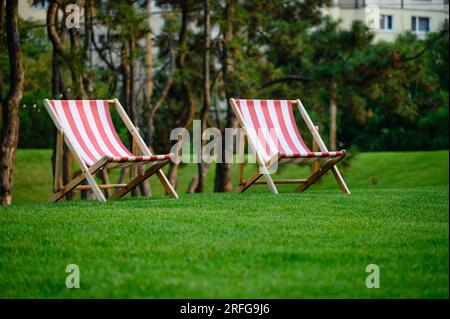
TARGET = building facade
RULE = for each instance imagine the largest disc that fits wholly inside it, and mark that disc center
(32, 12)
(389, 18)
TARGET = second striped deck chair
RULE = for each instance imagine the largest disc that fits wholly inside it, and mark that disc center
(87, 129)
(272, 133)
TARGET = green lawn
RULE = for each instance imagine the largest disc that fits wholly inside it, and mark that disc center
(256, 245)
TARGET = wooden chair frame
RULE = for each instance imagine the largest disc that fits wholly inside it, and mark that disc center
(318, 171)
(88, 173)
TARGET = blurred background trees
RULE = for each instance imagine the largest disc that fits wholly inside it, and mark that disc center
(370, 95)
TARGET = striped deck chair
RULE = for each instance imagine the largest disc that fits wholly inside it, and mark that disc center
(89, 133)
(272, 133)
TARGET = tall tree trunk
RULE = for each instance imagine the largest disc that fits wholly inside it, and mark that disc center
(132, 80)
(187, 116)
(2, 32)
(149, 121)
(131, 91)
(223, 170)
(80, 82)
(149, 108)
(59, 89)
(149, 55)
(333, 115)
(76, 70)
(88, 85)
(125, 56)
(128, 93)
(9, 137)
(203, 167)
(71, 58)
(87, 47)
(88, 17)
(144, 187)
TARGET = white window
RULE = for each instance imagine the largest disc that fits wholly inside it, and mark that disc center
(102, 39)
(40, 5)
(386, 22)
(420, 24)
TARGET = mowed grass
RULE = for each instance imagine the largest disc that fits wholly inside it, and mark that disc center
(33, 174)
(254, 245)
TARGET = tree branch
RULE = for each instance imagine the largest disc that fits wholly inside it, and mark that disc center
(427, 47)
(167, 87)
(287, 78)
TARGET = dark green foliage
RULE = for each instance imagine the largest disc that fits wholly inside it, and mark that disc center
(409, 109)
(36, 127)
(390, 96)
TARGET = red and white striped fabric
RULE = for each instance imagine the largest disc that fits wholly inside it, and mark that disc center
(271, 127)
(89, 127)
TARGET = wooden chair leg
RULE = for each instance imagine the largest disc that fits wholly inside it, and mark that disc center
(322, 171)
(81, 178)
(254, 178)
(271, 184)
(249, 182)
(165, 182)
(241, 160)
(58, 183)
(340, 180)
(315, 148)
(241, 173)
(94, 186)
(135, 182)
(106, 180)
(266, 172)
(263, 171)
(66, 189)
